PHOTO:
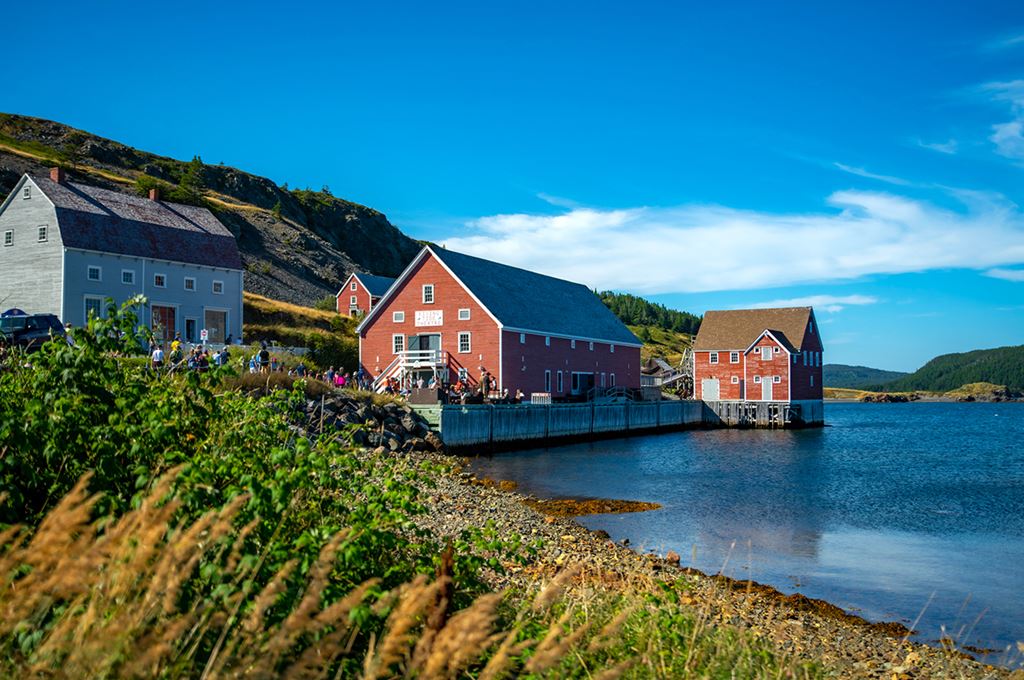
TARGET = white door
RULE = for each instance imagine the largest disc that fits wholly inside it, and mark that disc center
(709, 389)
(766, 388)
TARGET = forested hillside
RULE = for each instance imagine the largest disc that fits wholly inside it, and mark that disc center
(1000, 366)
(636, 311)
(854, 377)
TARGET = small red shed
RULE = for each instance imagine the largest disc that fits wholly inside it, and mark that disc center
(456, 316)
(361, 292)
(766, 355)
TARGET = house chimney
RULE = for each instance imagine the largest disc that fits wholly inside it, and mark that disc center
(154, 194)
(57, 175)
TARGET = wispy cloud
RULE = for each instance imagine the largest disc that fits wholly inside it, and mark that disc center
(1006, 42)
(828, 303)
(1008, 137)
(697, 248)
(558, 201)
(861, 172)
(947, 147)
(1006, 274)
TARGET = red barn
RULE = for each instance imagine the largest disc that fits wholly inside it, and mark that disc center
(765, 355)
(453, 315)
(361, 293)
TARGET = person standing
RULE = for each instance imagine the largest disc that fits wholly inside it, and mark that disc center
(156, 359)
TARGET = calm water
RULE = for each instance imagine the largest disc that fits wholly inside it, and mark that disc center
(893, 509)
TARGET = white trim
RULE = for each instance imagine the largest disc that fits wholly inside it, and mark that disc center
(469, 342)
(99, 272)
(344, 285)
(127, 271)
(395, 317)
(8, 232)
(713, 358)
(397, 335)
(423, 292)
(354, 287)
(734, 352)
(42, 230)
(770, 335)
(213, 287)
(156, 285)
(85, 308)
(184, 283)
(468, 312)
(108, 253)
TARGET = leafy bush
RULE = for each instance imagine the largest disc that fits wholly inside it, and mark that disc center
(327, 303)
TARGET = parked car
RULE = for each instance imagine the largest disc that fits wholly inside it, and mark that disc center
(29, 331)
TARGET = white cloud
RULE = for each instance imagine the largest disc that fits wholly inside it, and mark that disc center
(1006, 274)
(1008, 137)
(557, 201)
(828, 303)
(861, 172)
(947, 147)
(697, 248)
(1007, 42)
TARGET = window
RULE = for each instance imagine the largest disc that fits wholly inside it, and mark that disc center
(810, 327)
(9, 237)
(604, 380)
(735, 380)
(734, 357)
(776, 350)
(812, 381)
(804, 355)
(464, 374)
(522, 338)
(713, 357)
(591, 347)
(190, 283)
(128, 277)
(757, 379)
(353, 300)
(464, 314)
(354, 287)
(398, 317)
(93, 307)
(428, 293)
(547, 341)
(611, 379)
(572, 344)
(42, 234)
(26, 193)
(464, 343)
(612, 348)
(397, 343)
(766, 354)
(817, 359)
(547, 381)
(218, 287)
(561, 383)
(794, 359)
(160, 280)
(94, 273)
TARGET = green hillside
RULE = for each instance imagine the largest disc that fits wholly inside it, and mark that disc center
(855, 377)
(1001, 366)
(636, 311)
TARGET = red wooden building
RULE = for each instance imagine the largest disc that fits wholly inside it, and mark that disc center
(451, 315)
(361, 293)
(760, 355)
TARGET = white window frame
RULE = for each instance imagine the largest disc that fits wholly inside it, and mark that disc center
(713, 358)
(766, 354)
(547, 381)
(353, 300)
(468, 337)
(547, 341)
(131, 277)
(354, 286)
(591, 347)
(812, 380)
(572, 344)
(561, 382)
(734, 357)
(612, 348)
(217, 284)
(397, 317)
(160, 285)
(428, 293)
(757, 380)
(810, 326)
(735, 380)
(8, 238)
(397, 343)
(776, 379)
(94, 268)
(522, 338)
(604, 380)
(42, 234)
(26, 193)
(776, 350)
(85, 306)
(464, 314)
(185, 283)
(611, 379)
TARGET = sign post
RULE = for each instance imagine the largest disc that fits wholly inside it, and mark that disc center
(204, 335)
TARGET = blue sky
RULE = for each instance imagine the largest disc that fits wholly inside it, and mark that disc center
(866, 157)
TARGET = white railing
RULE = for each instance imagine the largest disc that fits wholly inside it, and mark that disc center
(407, 360)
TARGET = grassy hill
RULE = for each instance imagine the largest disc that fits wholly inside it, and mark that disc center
(297, 245)
(854, 377)
(660, 342)
(1000, 366)
(330, 337)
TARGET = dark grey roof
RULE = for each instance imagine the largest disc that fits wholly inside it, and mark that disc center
(375, 285)
(92, 218)
(531, 301)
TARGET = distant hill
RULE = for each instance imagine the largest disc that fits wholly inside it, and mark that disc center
(298, 245)
(636, 311)
(1001, 366)
(856, 377)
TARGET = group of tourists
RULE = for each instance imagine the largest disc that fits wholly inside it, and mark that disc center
(175, 358)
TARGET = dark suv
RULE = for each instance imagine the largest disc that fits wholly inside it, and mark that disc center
(29, 331)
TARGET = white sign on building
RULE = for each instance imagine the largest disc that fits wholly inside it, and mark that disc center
(430, 317)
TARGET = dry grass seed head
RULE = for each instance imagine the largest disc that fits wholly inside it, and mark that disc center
(413, 598)
(553, 590)
(609, 632)
(555, 645)
(464, 638)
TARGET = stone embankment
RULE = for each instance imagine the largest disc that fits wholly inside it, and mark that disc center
(388, 426)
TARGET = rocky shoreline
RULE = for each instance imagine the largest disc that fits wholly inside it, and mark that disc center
(814, 630)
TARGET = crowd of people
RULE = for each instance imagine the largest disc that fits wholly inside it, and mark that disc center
(175, 358)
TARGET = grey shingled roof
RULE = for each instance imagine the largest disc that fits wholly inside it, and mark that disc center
(737, 329)
(92, 218)
(531, 301)
(375, 285)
